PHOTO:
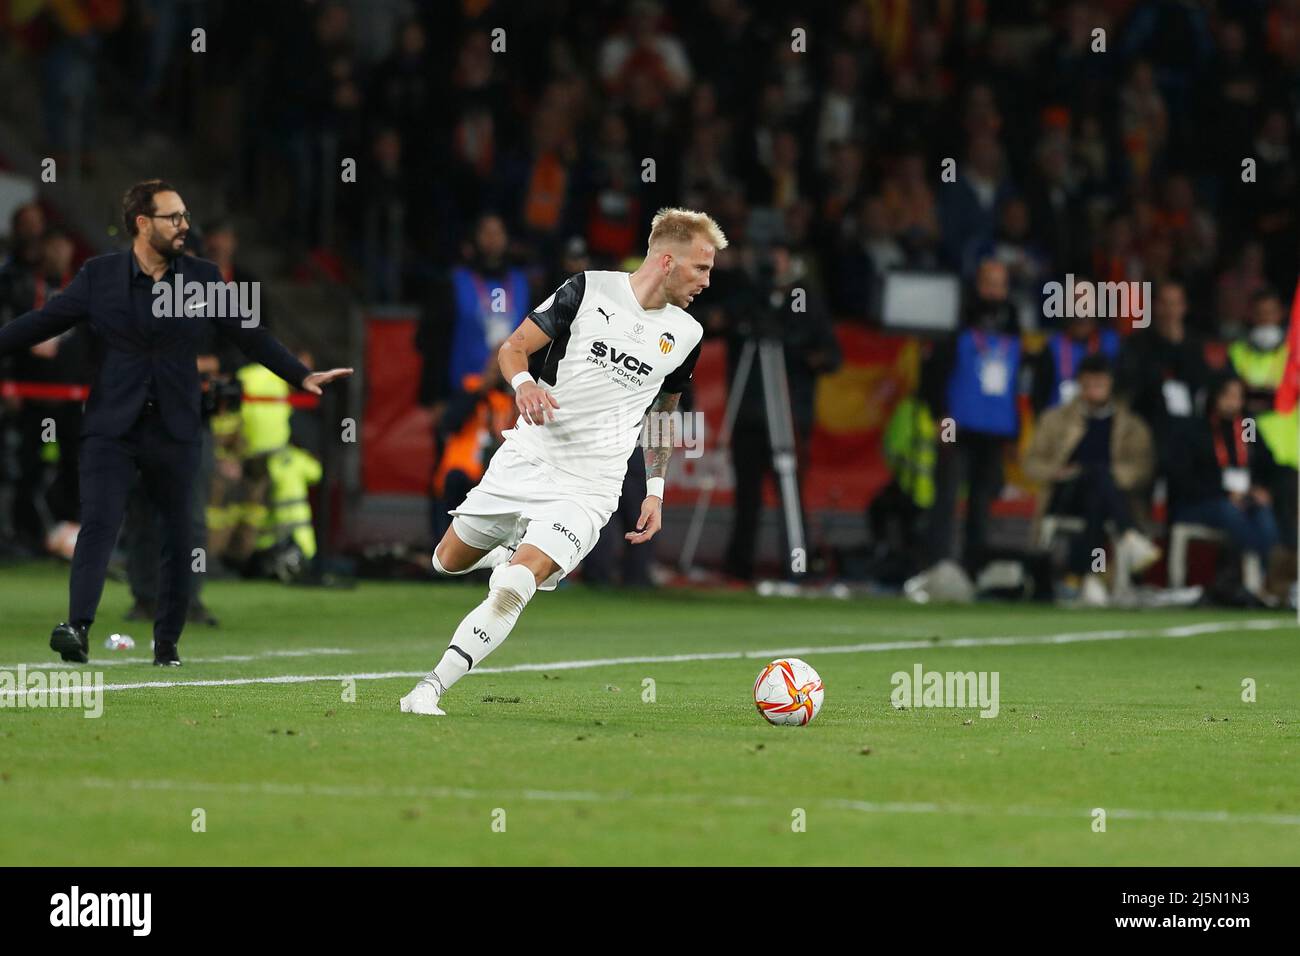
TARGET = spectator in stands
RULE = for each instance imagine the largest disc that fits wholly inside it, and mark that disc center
(983, 370)
(480, 304)
(401, 93)
(644, 51)
(1056, 367)
(1235, 289)
(869, 249)
(1258, 356)
(544, 176)
(897, 516)
(911, 209)
(1026, 262)
(1162, 368)
(48, 430)
(468, 433)
(573, 259)
(1219, 474)
(1092, 457)
(969, 208)
(379, 221)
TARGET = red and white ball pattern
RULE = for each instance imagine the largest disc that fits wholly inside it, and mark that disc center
(788, 691)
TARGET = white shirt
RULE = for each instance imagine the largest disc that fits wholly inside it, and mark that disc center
(607, 361)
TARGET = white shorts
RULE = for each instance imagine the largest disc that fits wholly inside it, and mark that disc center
(525, 501)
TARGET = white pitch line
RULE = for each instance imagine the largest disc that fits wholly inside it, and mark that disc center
(1184, 630)
(223, 659)
(595, 796)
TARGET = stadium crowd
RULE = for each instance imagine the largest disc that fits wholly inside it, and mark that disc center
(504, 146)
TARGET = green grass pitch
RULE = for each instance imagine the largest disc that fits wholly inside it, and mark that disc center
(572, 765)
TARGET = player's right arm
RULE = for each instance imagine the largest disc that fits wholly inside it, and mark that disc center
(59, 314)
(534, 401)
(544, 324)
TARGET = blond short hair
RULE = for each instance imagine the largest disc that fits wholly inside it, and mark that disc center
(684, 225)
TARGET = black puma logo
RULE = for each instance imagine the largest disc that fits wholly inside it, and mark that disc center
(607, 315)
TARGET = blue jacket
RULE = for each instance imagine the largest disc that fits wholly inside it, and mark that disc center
(971, 407)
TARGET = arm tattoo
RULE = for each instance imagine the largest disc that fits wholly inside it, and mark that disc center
(663, 418)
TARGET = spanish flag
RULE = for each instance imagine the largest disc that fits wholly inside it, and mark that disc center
(1288, 390)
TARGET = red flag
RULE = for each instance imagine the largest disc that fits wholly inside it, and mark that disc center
(1288, 390)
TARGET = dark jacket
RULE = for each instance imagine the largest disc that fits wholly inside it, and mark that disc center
(128, 352)
(1146, 361)
(1194, 471)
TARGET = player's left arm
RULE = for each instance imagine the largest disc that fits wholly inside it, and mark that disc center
(656, 456)
(656, 466)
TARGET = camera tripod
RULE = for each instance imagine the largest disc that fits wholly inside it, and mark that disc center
(780, 436)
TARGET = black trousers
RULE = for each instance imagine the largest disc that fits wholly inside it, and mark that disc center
(976, 459)
(1094, 497)
(143, 532)
(108, 471)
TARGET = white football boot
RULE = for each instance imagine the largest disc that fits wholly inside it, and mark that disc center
(423, 699)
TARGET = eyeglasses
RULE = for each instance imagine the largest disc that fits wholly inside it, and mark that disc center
(175, 218)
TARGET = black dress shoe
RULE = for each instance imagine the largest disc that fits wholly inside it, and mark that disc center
(164, 655)
(72, 643)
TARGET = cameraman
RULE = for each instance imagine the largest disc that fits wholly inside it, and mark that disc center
(770, 300)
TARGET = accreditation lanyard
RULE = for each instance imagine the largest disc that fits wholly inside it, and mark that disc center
(1221, 447)
(1065, 355)
(496, 325)
(994, 374)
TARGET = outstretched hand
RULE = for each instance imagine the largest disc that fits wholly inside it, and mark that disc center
(649, 523)
(315, 380)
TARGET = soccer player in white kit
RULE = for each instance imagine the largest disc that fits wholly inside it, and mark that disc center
(605, 348)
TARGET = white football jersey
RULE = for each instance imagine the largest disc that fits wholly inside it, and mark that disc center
(607, 361)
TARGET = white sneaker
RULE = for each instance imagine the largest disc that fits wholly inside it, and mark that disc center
(1139, 551)
(423, 699)
(1093, 592)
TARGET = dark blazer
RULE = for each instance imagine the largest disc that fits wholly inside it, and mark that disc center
(127, 350)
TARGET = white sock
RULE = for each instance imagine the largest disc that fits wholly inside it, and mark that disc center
(486, 628)
(498, 555)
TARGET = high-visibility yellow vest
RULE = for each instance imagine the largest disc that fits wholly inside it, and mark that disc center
(910, 446)
(266, 424)
(292, 471)
(1259, 370)
(1278, 430)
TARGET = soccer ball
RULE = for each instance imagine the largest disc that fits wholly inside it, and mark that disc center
(788, 692)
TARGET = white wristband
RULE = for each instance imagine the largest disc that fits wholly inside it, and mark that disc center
(655, 487)
(521, 377)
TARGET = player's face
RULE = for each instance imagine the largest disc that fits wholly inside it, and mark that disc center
(688, 274)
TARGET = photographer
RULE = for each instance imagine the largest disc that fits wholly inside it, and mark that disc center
(769, 301)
